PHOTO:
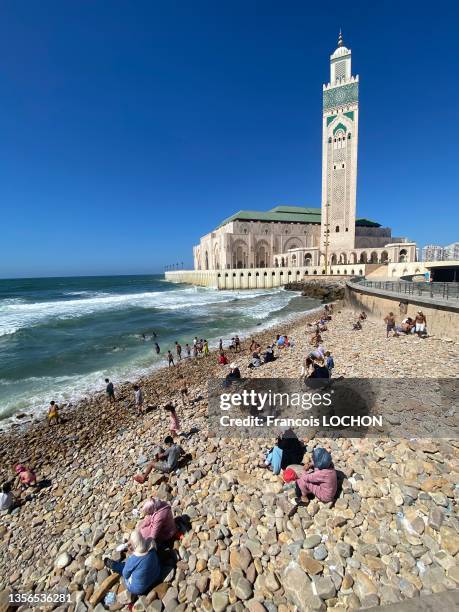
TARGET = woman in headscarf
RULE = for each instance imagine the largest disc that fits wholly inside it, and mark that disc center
(158, 522)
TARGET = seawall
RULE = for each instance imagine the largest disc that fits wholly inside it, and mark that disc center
(265, 278)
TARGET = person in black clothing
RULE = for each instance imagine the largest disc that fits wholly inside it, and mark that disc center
(292, 449)
(268, 354)
(234, 373)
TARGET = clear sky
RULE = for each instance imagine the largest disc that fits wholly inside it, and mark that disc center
(130, 128)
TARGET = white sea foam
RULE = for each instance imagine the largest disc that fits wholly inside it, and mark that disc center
(16, 315)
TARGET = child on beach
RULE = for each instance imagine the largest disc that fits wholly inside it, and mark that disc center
(205, 347)
(174, 424)
(222, 358)
(183, 388)
(188, 350)
(110, 390)
(138, 397)
(53, 414)
(390, 325)
(321, 480)
(170, 359)
(25, 476)
(329, 361)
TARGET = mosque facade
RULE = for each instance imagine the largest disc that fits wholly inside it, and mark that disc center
(329, 236)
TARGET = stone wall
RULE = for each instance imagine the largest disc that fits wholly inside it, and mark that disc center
(442, 319)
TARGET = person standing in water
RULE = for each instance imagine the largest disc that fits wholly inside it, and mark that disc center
(157, 349)
(170, 359)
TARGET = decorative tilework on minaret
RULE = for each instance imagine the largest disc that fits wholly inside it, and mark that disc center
(339, 156)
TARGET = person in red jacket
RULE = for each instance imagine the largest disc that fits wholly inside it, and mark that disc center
(320, 480)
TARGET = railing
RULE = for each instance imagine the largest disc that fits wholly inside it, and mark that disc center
(445, 291)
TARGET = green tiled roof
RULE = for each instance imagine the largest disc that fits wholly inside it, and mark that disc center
(287, 214)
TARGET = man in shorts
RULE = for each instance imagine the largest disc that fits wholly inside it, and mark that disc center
(420, 323)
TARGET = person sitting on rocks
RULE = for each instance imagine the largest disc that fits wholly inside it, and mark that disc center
(357, 326)
(141, 569)
(222, 358)
(321, 480)
(25, 476)
(316, 339)
(165, 461)
(7, 500)
(406, 326)
(234, 373)
(53, 414)
(268, 355)
(255, 362)
(280, 341)
(362, 315)
(158, 522)
(288, 450)
(315, 368)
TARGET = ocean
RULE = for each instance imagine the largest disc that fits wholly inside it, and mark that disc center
(60, 337)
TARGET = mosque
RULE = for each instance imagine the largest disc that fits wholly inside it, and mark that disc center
(329, 237)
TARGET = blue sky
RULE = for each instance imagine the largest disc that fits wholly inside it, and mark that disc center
(129, 129)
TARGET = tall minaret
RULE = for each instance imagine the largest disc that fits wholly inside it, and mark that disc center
(339, 155)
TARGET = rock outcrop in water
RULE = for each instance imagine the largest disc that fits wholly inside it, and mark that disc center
(327, 291)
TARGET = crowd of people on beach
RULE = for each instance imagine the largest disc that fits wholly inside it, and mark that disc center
(158, 528)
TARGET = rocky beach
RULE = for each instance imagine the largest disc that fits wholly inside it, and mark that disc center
(391, 535)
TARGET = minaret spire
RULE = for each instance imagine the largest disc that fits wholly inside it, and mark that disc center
(340, 39)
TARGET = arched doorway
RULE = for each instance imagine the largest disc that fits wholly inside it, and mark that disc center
(239, 254)
(262, 254)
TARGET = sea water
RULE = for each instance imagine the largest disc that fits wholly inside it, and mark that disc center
(60, 337)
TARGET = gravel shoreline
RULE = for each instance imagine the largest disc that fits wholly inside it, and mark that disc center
(392, 534)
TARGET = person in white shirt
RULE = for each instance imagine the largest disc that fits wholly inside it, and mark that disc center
(138, 398)
(7, 501)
